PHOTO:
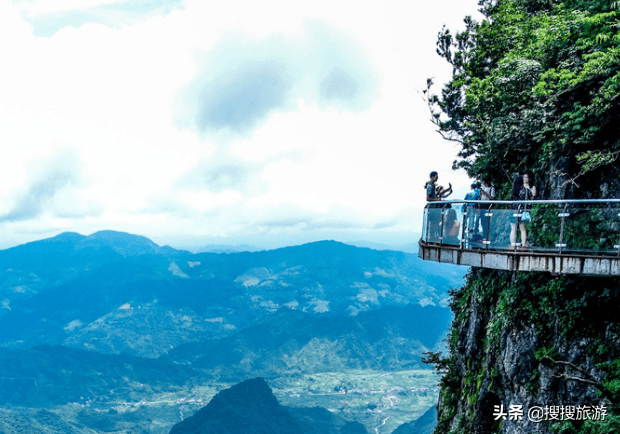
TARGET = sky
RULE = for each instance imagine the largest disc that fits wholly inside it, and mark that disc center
(192, 123)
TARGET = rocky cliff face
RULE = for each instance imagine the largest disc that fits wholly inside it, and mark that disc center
(547, 345)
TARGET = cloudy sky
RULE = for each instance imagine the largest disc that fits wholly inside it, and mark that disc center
(194, 122)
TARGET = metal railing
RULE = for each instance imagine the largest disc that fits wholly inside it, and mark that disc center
(562, 227)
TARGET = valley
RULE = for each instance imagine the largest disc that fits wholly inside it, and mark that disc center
(111, 333)
(381, 401)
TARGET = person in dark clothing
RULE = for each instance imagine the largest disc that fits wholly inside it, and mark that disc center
(522, 189)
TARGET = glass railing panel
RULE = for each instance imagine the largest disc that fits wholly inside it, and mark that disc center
(434, 222)
(560, 227)
(543, 230)
(452, 225)
(425, 225)
(500, 223)
(577, 236)
(475, 226)
(442, 224)
(504, 228)
(591, 229)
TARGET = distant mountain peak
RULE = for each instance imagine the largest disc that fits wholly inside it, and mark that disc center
(251, 408)
(66, 237)
(119, 237)
(255, 390)
(246, 408)
(68, 245)
(122, 242)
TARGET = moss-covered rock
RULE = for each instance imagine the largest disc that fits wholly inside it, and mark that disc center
(532, 340)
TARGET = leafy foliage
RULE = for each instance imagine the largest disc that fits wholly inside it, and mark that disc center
(535, 85)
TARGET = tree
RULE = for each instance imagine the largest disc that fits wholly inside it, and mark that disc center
(535, 85)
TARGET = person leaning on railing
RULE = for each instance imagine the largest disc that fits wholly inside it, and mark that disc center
(522, 189)
(451, 228)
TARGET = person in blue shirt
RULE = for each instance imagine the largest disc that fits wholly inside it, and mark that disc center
(472, 211)
(431, 193)
(436, 192)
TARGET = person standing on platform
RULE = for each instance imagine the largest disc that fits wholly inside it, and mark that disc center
(471, 210)
(434, 213)
(523, 189)
(487, 192)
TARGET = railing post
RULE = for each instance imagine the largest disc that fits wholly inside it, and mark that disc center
(517, 216)
(442, 227)
(464, 219)
(563, 216)
(425, 224)
(487, 214)
(618, 246)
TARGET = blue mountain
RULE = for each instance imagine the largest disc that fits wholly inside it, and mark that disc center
(120, 293)
(250, 408)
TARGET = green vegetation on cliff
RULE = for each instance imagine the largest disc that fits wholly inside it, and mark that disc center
(535, 86)
(530, 339)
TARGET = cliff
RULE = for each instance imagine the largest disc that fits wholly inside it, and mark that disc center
(534, 88)
(542, 343)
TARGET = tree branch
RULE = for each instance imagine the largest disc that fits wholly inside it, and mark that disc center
(450, 139)
(588, 380)
(604, 159)
(430, 101)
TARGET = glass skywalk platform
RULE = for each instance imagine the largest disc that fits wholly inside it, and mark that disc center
(563, 236)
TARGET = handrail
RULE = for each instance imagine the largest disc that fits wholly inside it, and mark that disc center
(575, 225)
(541, 201)
(576, 236)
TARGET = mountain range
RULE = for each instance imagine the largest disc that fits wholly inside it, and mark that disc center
(389, 338)
(119, 293)
(113, 316)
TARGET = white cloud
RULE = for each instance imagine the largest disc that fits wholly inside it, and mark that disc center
(345, 147)
(241, 82)
(47, 18)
